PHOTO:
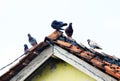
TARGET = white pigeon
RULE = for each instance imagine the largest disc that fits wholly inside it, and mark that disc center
(93, 44)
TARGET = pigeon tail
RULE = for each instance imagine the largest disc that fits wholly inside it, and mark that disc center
(64, 24)
(96, 47)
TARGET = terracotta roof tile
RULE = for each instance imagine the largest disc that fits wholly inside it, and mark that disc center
(105, 63)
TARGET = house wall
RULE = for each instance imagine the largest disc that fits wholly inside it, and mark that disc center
(61, 71)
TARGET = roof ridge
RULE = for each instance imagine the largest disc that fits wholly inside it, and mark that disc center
(103, 62)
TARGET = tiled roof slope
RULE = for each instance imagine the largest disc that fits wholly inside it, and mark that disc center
(101, 61)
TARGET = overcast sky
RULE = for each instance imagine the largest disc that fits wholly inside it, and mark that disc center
(98, 20)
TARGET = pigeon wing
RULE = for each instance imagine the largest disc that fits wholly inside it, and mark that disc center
(95, 45)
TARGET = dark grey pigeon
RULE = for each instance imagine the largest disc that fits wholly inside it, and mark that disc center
(69, 30)
(93, 44)
(58, 25)
(26, 48)
(32, 40)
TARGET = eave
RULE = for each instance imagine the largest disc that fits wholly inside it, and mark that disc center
(72, 53)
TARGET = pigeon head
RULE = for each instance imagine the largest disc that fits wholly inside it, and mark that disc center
(70, 24)
(29, 35)
(88, 40)
(25, 45)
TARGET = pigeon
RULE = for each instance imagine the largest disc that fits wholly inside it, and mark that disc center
(93, 44)
(69, 30)
(31, 40)
(58, 25)
(26, 48)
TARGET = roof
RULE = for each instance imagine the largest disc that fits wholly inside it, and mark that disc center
(77, 54)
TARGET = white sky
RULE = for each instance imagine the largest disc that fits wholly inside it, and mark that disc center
(98, 20)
